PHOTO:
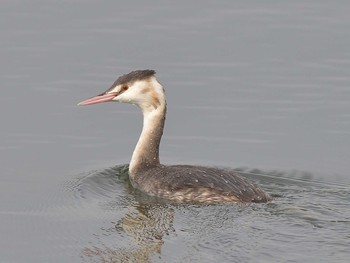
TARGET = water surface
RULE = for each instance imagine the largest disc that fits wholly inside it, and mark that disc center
(258, 87)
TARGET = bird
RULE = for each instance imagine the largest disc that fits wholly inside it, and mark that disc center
(174, 183)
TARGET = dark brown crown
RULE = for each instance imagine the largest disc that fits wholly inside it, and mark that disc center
(134, 76)
(131, 77)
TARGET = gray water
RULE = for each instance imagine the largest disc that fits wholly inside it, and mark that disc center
(260, 87)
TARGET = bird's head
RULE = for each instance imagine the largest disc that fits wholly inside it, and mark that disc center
(138, 87)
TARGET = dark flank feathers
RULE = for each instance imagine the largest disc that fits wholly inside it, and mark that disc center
(187, 183)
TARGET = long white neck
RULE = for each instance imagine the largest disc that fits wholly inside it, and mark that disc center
(146, 153)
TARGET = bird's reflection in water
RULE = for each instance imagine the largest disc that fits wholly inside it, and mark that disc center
(145, 227)
(138, 236)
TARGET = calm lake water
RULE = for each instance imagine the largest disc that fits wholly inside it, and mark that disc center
(261, 87)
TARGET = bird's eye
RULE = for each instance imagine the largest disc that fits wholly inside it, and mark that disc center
(124, 88)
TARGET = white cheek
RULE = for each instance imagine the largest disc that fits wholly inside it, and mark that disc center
(125, 98)
(116, 99)
(120, 98)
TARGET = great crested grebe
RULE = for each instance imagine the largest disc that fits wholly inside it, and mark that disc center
(179, 183)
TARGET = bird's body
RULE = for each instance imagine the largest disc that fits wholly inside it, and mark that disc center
(189, 183)
(179, 183)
